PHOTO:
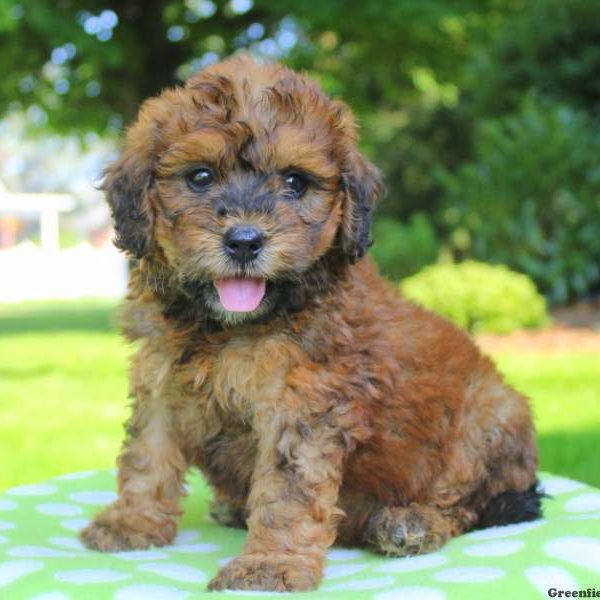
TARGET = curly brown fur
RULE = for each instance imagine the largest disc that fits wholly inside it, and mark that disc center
(334, 409)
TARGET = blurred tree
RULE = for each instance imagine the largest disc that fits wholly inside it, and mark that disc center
(403, 249)
(421, 76)
(552, 48)
(527, 192)
(530, 198)
(87, 64)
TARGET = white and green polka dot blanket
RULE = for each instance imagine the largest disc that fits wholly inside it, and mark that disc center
(42, 559)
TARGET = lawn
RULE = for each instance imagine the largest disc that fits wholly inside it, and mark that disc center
(63, 395)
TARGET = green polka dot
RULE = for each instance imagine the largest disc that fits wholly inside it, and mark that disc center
(41, 557)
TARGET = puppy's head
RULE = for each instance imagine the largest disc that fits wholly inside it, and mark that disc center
(241, 182)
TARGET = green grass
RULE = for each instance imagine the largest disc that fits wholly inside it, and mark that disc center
(63, 389)
(565, 394)
(63, 395)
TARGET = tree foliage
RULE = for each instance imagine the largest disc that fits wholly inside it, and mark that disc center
(423, 78)
(530, 198)
(87, 64)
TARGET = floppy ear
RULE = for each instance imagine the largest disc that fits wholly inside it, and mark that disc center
(127, 183)
(363, 186)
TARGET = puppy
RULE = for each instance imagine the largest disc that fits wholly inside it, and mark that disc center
(318, 403)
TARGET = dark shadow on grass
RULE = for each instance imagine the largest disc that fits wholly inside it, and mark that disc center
(572, 454)
(70, 315)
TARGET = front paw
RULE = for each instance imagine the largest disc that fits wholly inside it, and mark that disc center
(117, 530)
(268, 574)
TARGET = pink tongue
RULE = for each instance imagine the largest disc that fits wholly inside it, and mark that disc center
(240, 295)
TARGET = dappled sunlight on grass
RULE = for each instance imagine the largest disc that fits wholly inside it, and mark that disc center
(63, 389)
(565, 394)
(565, 387)
(63, 402)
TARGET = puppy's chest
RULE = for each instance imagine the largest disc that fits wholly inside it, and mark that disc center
(243, 374)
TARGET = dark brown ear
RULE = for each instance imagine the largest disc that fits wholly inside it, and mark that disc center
(127, 183)
(363, 187)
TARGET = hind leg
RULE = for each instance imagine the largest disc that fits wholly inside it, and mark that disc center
(415, 529)
(228, 511)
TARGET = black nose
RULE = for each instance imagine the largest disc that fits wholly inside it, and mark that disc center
(243, 243)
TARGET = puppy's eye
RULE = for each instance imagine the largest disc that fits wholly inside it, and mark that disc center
(199, 179)
(295, 183)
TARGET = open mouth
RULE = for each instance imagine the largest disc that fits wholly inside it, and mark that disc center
(239, 294)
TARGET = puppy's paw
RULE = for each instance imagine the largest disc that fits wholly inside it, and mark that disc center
(267, 573)
(117, 530)
(408, 531)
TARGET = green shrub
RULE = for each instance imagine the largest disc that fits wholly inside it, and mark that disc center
(401, 249)
(478, 297)
(550, 46)
(530, 199)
